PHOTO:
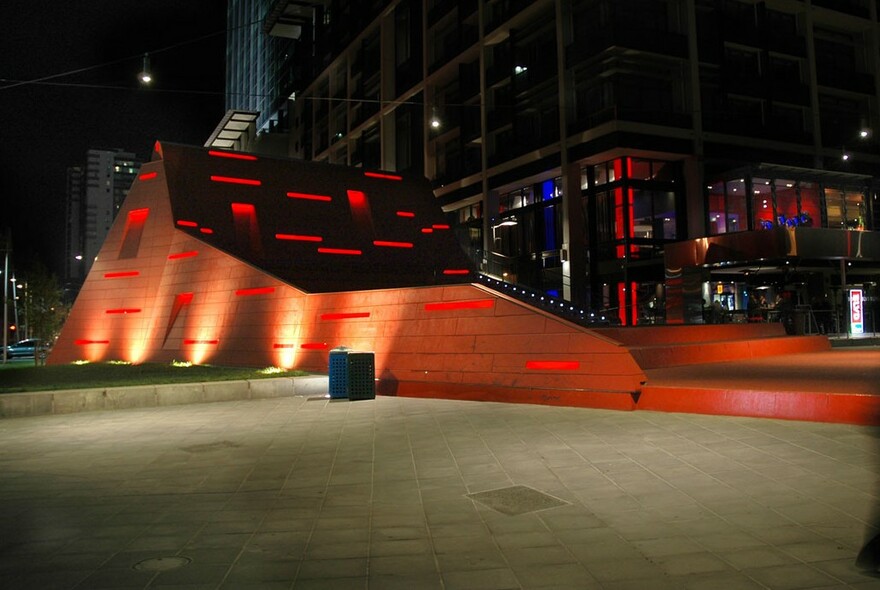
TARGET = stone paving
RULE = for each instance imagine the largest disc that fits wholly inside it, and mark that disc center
(305, 492)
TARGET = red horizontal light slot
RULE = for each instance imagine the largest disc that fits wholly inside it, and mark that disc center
(82, 342)
(191, 341)
(278, 345)
(124, 310)
(427, 230)
(121, 274)
(206, 230)
(298, 238)
(180, 255)
(148, 176)
(405, 214)
(472, 304)
(383, 176)
(187, 223)
(392, 244)
(343, 251)
(314, 346)
(309, 197)
(440, 226)
(243, 208)
(231, 155)
(236, 180)
(456, 271)
(553, 365)
(345, 316)
(255, 291)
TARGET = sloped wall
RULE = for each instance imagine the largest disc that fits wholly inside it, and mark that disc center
(164, 290)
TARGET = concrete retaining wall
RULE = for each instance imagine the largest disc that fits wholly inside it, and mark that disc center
(38, 403)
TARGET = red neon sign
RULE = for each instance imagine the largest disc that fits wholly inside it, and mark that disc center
(456, 271)
(309, 197)
(343, 251)
(553, 365)
(299, 238)
(148, 176)
(344, 316)
(232, 155)
(236, 180)
(314, 345)
(121, 274)
(392, 244)
(473, 304)
(187, 223)
(180, 255)
(255, 291)
(405, 214)
(382, 175)
(124, 310)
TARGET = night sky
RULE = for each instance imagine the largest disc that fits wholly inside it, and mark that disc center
(46, 128)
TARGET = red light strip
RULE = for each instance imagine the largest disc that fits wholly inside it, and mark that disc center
(124, 310)
(473, 304)
(344, 251)
(298, 238)
(309, 197)
(392, 244)
(405, 214)
(190, 341)
(236, 180)
(148, 176)
(82, 342)
(180, 255)
(277, 345)
(440, 226)
(381, 175)
(121, 274)
(553, 365)
(186, 223)
(456, 271)
(243, 208)
(345, 316)
(232, 155)
(427, 230)
(315, 346)
(255, 291)
(206, 230)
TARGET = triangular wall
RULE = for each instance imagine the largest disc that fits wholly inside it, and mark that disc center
(229, 259)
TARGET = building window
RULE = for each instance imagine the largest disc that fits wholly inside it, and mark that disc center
(762, 204)
(737, 215)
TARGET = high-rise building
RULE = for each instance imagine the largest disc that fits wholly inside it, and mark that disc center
(649, 157)
(95, 193)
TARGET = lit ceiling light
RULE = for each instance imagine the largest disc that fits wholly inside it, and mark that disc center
(145, 77)
(520, 70)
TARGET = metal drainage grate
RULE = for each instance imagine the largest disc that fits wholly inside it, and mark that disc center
(161, 564)
(516, 500)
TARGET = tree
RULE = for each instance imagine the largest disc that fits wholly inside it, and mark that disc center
(43, 307)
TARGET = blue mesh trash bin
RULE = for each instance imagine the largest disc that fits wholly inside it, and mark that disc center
(338, 372)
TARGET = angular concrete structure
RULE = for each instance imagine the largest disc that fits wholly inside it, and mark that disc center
(232, 259)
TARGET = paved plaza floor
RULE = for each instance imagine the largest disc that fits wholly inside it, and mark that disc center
(305, 492)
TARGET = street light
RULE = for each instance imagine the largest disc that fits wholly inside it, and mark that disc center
(145, 77)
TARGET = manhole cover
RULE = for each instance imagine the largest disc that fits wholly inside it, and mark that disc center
(516, 500)
(161, 564)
